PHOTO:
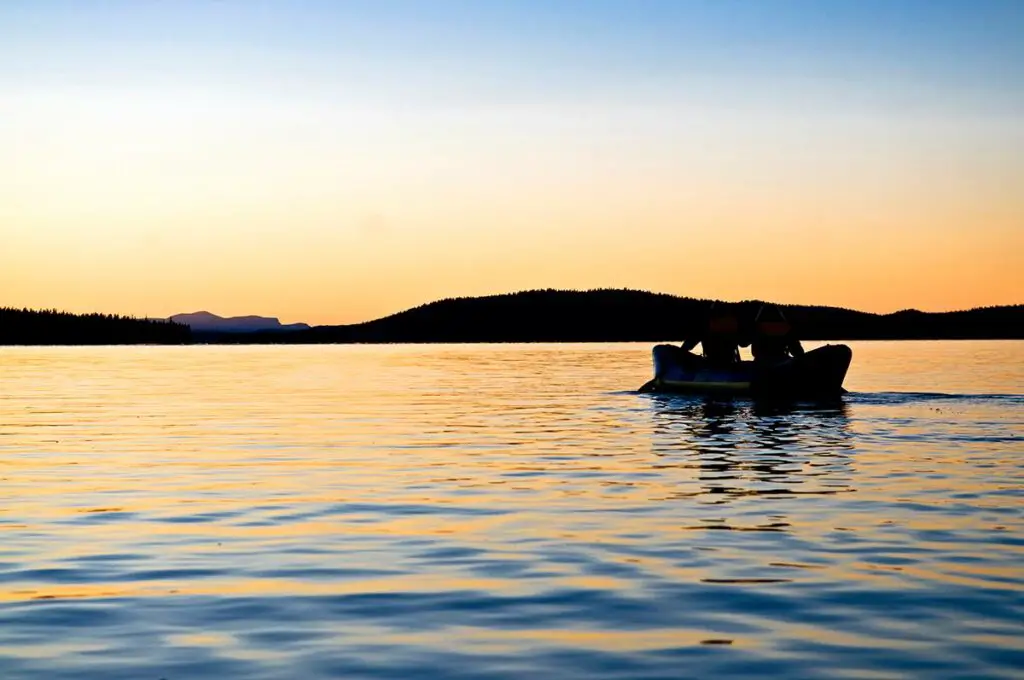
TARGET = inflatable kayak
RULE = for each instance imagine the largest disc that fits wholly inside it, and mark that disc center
(818, 373)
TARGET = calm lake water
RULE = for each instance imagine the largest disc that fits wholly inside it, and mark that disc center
(504, 511)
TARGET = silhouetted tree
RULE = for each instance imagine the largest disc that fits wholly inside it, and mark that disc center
(52, 327)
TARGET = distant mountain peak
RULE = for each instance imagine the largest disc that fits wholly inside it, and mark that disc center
(208, 321)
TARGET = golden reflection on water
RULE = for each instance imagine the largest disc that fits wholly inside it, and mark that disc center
(502, 474)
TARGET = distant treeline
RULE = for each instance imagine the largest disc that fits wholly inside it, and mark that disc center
(604, 315)
(609, 315)
(52, 327)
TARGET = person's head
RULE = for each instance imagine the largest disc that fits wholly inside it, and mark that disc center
(771, 321)
(769, 312)
(722, 318)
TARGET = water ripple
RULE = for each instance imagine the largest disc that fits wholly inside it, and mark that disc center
(500, 512)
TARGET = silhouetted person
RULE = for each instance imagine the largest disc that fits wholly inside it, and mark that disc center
(720, 337)
(773, 339)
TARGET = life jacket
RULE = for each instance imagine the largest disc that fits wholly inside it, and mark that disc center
(720, 342)
(771, 340)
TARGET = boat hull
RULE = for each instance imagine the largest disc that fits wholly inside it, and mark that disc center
(818, 373)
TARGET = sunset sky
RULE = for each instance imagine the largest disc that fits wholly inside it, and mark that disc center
(332, 162)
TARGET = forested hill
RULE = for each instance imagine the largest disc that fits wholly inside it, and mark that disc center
(630, 315)
(50, 327)
(529, 316)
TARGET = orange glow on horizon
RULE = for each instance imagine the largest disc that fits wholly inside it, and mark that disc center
(152, 200)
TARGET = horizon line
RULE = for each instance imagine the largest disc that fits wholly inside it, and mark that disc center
(512, 293)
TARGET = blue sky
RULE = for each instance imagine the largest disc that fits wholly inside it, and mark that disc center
(528, 50)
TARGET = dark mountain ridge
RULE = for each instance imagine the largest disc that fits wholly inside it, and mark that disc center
(619, 315)
(602, 315)
(206, 321)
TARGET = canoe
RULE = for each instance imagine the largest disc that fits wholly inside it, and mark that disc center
(818, 373)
